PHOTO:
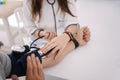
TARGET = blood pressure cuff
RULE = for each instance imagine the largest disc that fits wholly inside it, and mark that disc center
(19, 64)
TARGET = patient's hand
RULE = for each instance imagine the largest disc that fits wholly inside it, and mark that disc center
(83, 36)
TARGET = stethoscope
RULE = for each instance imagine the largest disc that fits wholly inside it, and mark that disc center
(52, 2)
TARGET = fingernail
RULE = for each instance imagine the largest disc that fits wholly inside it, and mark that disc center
(28, 57)
(33, 55)
(37, 58)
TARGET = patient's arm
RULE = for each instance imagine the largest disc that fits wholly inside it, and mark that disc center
(83, 37)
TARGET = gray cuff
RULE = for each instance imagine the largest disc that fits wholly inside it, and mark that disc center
(6, 63)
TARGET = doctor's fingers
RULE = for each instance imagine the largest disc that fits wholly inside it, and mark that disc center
(51, 36)
(57, 48)
(33, 74)
(34, 63)
(39, 67)
(29, 67)
(14, 77)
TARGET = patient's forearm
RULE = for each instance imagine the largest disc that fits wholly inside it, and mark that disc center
(57, 57)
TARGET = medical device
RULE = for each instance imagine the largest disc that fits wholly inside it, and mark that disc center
(52, 2)
(19, 55)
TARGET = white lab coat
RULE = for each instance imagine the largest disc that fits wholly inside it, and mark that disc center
(47, 20)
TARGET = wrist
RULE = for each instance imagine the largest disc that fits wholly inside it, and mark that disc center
(66, 36)
(69, 34)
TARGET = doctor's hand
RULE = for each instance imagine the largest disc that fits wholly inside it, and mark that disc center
(34, 69)
(58, 43)
(49, 35)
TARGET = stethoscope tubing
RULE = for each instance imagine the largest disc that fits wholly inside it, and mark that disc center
(52, 4)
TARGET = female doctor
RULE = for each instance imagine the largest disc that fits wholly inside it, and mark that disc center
(55, 21)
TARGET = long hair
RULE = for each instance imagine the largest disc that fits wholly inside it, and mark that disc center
(36, 6)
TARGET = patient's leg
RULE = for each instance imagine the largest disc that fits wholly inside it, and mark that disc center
(82, 37)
